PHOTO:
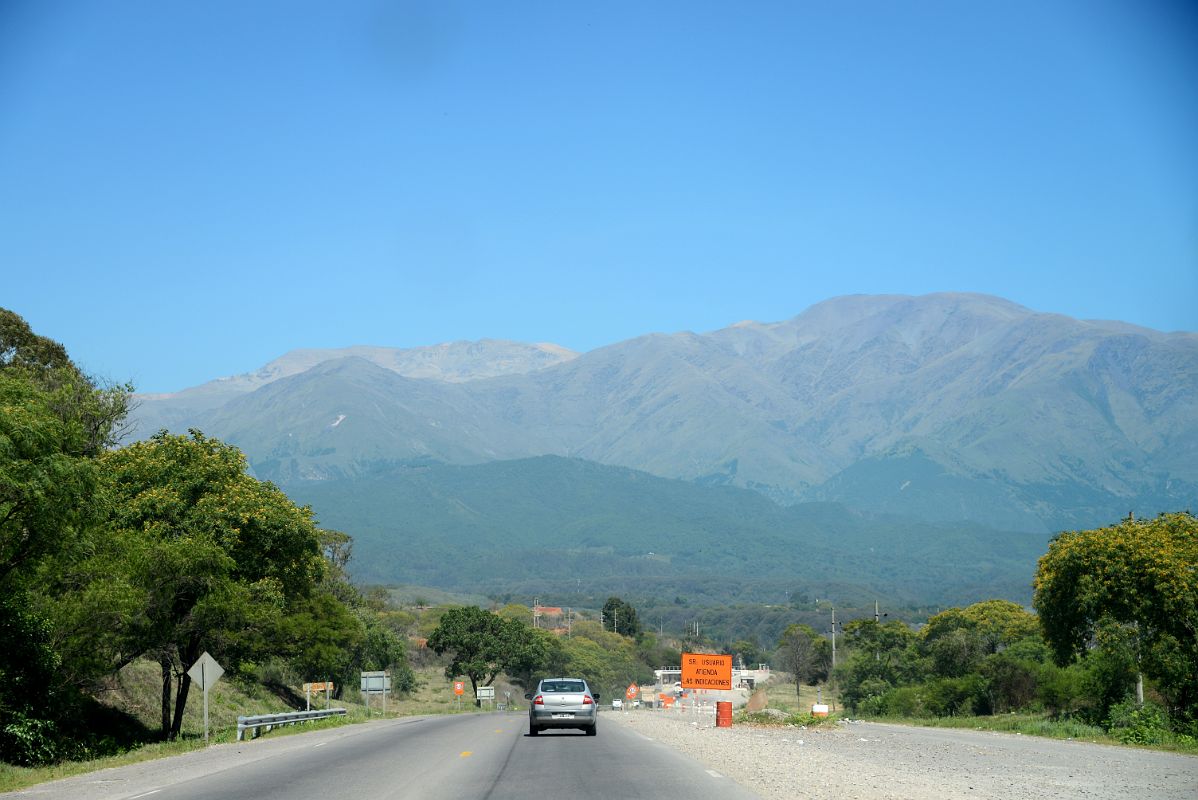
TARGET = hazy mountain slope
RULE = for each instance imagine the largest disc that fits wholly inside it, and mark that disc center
(453, 362)
(349, 416)
(941, 407)
(575, 527)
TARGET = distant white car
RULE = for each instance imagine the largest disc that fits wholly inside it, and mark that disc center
(617, 704)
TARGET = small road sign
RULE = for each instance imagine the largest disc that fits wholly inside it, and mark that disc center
(376, 682)
(205, 673)
(632, 692)
(459, 687)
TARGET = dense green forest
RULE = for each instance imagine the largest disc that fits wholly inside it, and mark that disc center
(594, 530)
(161, 550)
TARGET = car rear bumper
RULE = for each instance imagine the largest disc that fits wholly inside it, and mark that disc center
(558, 719)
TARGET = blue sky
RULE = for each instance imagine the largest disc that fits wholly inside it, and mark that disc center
(188, 190)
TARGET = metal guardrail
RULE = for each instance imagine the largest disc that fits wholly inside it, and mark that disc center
(268, 721)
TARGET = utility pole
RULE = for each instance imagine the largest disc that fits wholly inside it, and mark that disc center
(833, 637)
(878, 622)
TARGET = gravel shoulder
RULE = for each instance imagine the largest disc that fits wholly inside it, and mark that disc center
(874, 761)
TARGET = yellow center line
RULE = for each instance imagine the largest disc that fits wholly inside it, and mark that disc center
(466, 754)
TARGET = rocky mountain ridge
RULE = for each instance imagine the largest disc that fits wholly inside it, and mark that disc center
(942, 407)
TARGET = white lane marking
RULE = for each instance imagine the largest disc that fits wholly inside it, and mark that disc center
(714, 774)
(322, 744)
(145, 794)
(643, 736)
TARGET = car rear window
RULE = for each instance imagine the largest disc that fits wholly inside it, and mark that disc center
(563, 686)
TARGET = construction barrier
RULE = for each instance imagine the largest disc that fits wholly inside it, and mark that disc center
(723, 714)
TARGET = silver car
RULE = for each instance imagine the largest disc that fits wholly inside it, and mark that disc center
(562, 703)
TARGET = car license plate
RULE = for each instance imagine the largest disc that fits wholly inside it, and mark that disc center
(563, 716)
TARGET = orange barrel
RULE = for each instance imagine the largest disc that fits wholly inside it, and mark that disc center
(723, 714)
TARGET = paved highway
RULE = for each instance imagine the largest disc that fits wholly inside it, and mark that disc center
(482, 756)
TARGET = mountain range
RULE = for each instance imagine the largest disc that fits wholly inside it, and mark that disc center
(945, 408)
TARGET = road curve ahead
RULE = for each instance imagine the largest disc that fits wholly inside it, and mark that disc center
(467, 757)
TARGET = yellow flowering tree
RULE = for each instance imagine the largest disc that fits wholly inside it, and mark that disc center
(220, 556)
(1140, 578)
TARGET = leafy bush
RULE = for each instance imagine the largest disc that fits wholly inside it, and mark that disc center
(866, 696)
(1132, 724)
(28, 742)
(954, 697)
(906, 701)
(772, 716)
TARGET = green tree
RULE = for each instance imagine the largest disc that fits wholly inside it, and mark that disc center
(54, 421)
(805, 654)
(483, 644)
(881, 656)
(621, 617)
(1140, 576)
(748, 652)
(324, 638)
(536, 654)
(995, 623)
(608, 661)
(219, 555)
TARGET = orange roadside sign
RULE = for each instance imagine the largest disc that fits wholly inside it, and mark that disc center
(459, 687)
(632, 692)
(706, 671)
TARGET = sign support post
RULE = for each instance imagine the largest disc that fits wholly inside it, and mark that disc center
(205, 672)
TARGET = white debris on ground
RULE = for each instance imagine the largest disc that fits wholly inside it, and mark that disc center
(870, 761)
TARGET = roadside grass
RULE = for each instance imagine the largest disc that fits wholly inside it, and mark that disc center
(781, 695)
(784, 707)
(1040, 725)
(1028, 724)
(136, 688)
(13, 777)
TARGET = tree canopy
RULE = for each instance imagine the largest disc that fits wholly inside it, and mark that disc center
(221, 554)
(1139, 577)
(805, 654)
(482, 644)
(620, 617)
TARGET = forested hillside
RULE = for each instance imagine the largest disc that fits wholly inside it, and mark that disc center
(581, 530)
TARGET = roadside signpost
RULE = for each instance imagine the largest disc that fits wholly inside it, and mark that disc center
(376, 683)
(633, 692)
(485, 693)
(459, 688)
(205, 673)
(321, 686)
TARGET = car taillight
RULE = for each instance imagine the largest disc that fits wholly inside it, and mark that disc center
(587, 701)
(540, 701)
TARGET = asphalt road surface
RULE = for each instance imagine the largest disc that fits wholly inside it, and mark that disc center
(483, 756)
